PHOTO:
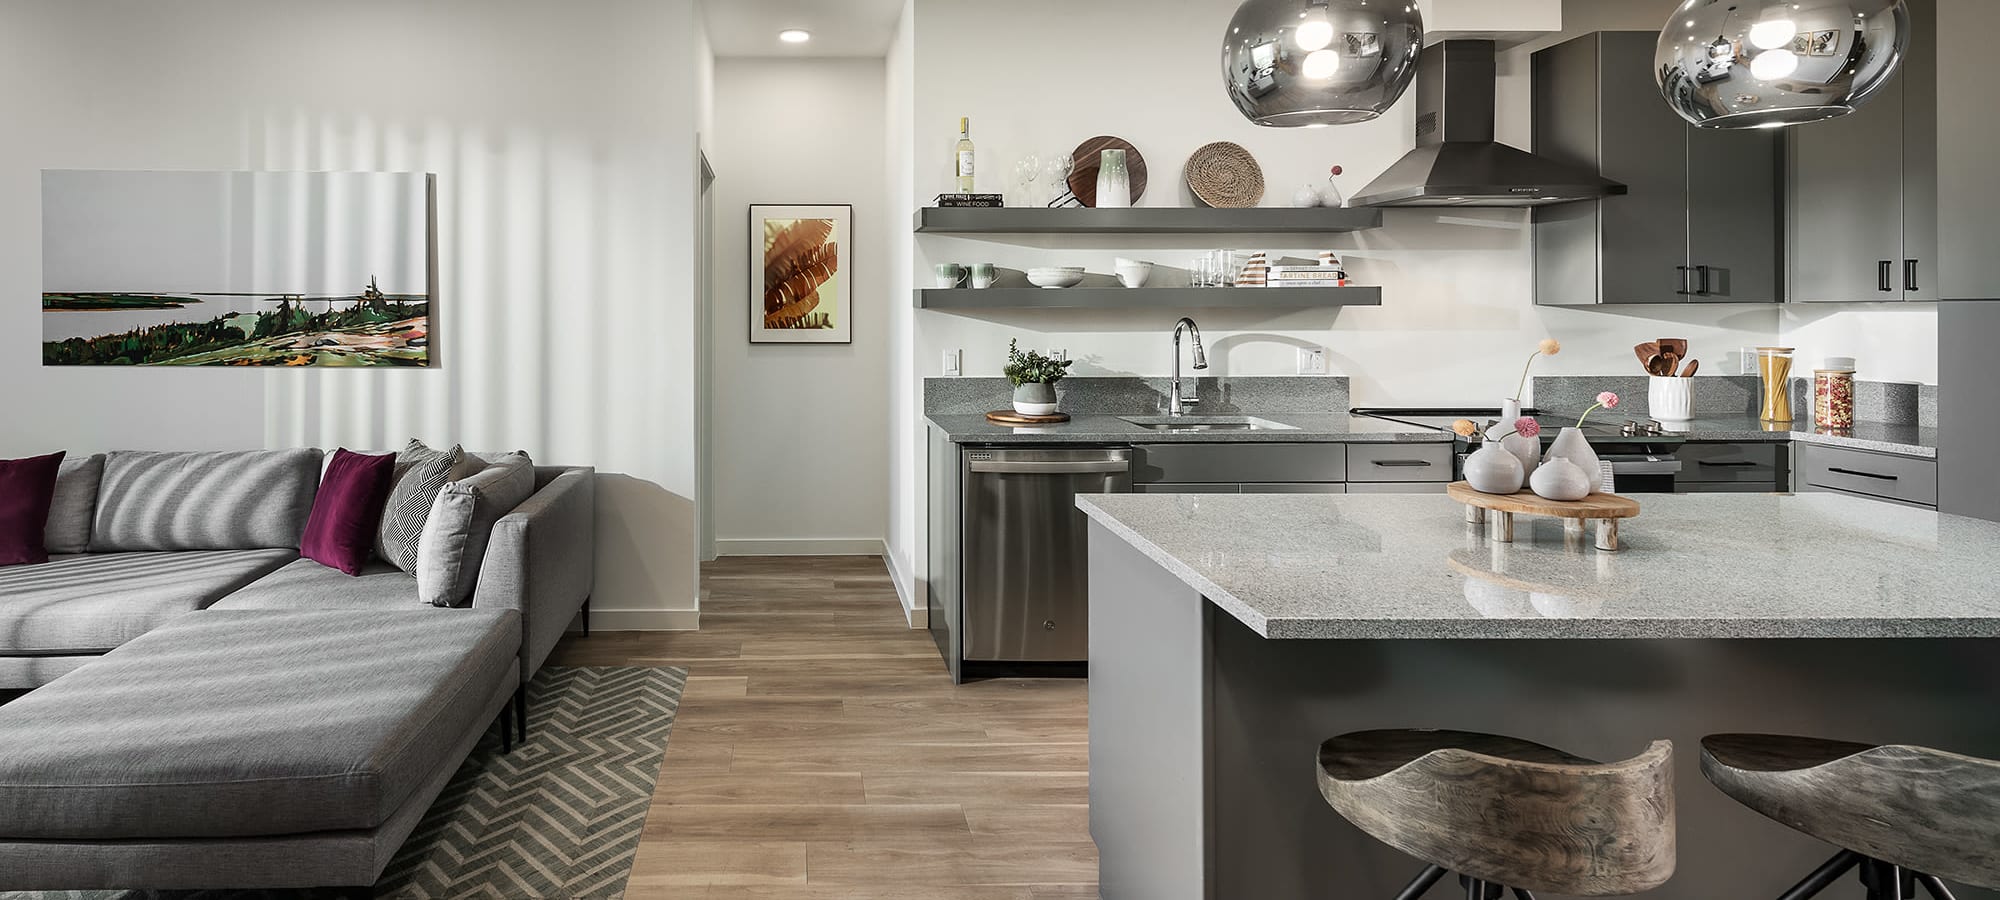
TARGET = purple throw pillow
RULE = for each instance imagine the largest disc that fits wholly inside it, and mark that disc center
(347, 511)
(27, 487)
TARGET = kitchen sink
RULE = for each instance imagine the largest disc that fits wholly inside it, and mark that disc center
(1206, 423)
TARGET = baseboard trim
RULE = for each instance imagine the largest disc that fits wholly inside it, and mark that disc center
(602, 619)
(917, 614)
(804, 547)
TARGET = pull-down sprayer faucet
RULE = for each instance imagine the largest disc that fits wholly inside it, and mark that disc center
(1177, 404)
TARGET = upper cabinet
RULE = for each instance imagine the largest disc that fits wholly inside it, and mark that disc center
(1968, 194)
(1701, 221)
(1863, 188)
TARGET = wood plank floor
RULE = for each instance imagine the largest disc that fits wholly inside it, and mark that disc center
(822, 753)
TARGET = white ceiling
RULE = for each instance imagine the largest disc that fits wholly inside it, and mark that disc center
(839, 27)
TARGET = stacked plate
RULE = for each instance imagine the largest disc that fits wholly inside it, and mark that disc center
(1055, 276)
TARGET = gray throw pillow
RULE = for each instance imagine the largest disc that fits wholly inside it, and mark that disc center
(461, 523)
(75, 504)
(420, 473)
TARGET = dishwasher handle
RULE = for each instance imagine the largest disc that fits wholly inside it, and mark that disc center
(1050, 467)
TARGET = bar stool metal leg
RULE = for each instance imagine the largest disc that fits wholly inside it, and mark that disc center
(1935, 887)
(1422, 884)
(1825, 875)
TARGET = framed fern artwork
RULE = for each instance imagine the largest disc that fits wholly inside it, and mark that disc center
(799, 274)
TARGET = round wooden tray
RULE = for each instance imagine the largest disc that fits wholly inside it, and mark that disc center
(1010, 417)
(1604, 509)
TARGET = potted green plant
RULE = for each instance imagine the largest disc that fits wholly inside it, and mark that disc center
(1034, 377)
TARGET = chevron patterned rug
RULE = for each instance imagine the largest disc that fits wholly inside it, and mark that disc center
(559, 817)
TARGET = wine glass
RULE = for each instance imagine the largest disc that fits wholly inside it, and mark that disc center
(1056, 173)
(1025, 172)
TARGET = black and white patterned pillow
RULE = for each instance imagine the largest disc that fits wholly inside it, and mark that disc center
(420, 473)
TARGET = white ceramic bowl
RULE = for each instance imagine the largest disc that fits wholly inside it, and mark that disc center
(1055, 277)
(1134, 274)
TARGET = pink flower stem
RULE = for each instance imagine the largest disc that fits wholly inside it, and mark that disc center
(1586, 413)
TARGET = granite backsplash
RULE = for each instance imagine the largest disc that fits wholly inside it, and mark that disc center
(1133, 396)
(1886, 402)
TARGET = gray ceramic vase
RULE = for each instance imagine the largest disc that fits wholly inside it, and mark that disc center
(1492, 470)
(1034, 399)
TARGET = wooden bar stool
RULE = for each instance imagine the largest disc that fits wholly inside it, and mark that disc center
(1506, 814)
(1905, 816)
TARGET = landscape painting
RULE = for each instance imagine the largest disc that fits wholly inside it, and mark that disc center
(799, 288)
(237, 268)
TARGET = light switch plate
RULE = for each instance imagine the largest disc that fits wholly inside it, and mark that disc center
(1312, 360)
(951, 362)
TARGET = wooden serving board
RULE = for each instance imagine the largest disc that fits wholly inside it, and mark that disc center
(1526, 503)
(1088, 158)
(1010, 417)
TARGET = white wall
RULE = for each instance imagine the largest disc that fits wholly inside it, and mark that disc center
(564, 149)
(801, 430)
(906, 453)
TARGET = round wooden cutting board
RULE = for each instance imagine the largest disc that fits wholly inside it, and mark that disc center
(1010, 417)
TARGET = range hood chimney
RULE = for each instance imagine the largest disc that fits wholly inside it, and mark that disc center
(1457, 162)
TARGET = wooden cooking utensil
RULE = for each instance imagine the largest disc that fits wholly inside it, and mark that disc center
(1669, 362)
(1688, 370)
(1646, 352)
(1676, 346)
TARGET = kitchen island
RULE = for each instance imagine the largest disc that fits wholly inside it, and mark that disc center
(1230, 635)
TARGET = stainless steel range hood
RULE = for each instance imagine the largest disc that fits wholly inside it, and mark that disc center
(1457, 162)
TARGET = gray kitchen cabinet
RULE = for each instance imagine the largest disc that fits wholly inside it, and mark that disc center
(1908, 480)
(1397, 487)
(1720, 467)
(944, 551)
(1399, 462)
(1968, 193)
(1700, 221)
(1863, 188)
(1237, 463)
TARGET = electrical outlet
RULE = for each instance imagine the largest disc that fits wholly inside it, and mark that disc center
(1312, 360)
(1058, 354)
(951, 362)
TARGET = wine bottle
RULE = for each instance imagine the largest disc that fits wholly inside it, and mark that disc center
(964, 156)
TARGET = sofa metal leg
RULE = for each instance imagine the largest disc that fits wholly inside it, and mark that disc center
(586, 617)
(507, 727)
(520, 705)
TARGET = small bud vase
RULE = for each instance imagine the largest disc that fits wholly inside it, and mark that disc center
(1526, 449)
(1572, 446)
(1492, 470)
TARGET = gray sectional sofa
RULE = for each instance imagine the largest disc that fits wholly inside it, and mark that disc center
(209, 710)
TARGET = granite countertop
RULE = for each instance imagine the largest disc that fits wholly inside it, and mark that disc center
(1109, 429)
(1908, 440)
(1693, 566)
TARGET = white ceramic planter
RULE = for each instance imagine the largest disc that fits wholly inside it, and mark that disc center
(1670, 398)
(1035, 399)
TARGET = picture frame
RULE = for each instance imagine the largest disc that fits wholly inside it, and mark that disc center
(801, 275)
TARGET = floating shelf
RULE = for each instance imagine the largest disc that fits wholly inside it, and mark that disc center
(1146, 298)
(1146, 220)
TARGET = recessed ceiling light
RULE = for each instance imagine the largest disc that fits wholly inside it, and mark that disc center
(795, 35)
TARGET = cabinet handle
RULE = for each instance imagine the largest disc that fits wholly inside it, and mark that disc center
(1683, 271)
(1875, 475)
(1403, 463)
(1726, 465)
(1702, 272)
(1909, 275)
(1882, 277)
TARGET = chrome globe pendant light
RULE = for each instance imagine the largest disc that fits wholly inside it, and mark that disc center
(1304, 63)
(1772, 63)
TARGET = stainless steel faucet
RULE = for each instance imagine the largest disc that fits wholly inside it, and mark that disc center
(1177, 404)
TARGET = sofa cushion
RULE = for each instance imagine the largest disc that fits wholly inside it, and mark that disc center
(93, 602)
(74, 504)
(238, 500)
(420, 473)
(460, 523)
(308, 585)
(27, 487)
(252, 722)
(347, 511)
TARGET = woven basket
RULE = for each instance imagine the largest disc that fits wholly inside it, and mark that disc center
(1225, 176)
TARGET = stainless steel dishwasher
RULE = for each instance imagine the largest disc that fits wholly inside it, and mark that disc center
(1026, 577)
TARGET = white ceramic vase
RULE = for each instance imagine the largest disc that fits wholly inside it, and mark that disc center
(1670, 398)
(1306, 197)
(1526, 449)
(1114, 181)
(1560, 479)
(1492, 470)
(1572, 446)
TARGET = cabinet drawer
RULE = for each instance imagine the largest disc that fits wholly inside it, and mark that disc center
(1732, 463)
(1316, 487)
(1187, 488)
(1903, 478)
(1398, 487)
(1238, 463)
(1399, 462)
